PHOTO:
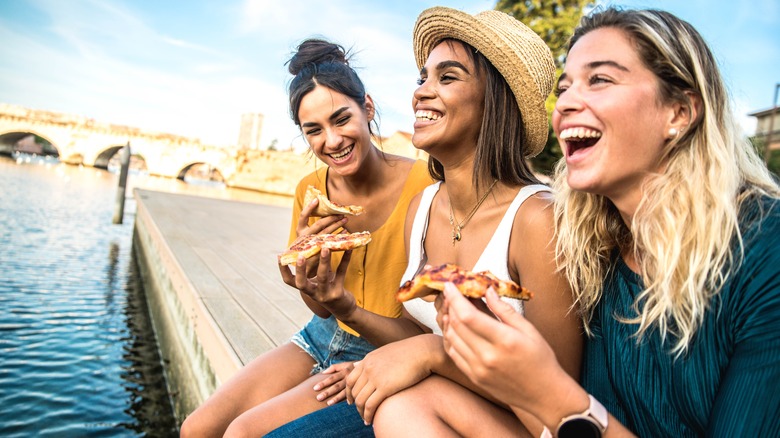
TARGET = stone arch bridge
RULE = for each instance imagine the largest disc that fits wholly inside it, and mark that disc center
(81, 140)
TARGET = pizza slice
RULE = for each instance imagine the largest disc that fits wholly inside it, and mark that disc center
(326, 207)
(311, 245)
(304, 245)
(431, 280)
(344, 241)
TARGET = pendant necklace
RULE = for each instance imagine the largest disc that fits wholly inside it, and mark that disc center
(457, 227)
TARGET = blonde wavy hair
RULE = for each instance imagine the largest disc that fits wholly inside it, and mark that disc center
(685, 227)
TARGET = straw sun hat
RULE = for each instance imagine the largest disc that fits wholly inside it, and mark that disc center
(517, 52)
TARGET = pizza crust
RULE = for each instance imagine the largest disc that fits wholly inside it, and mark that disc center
(431, 280)
(326, 207)
(311, 244)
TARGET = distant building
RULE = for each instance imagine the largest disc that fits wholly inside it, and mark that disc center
(28, 145)
(764, 120)
(251, 131)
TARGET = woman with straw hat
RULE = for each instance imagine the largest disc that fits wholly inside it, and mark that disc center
(479, 114)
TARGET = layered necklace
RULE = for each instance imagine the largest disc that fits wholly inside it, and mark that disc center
(457, 227)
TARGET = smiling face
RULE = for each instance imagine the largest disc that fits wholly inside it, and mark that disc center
(449, 102)
(336, 128)
(609, 118)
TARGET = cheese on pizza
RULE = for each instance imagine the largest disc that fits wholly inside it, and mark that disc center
(311, 244)
(326, 207)
(431, 280)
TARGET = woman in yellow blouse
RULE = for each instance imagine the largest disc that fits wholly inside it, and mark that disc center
(329, 104)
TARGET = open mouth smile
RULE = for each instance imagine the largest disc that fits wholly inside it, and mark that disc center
(579, 138)
(340, 155)
(427, 116)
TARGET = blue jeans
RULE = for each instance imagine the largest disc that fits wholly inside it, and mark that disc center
(328, 344)
(338, 421)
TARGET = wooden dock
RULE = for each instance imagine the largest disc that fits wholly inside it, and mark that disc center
(213, 285)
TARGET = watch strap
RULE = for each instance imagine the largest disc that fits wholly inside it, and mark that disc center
(596, 412)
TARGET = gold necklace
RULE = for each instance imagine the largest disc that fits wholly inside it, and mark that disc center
(458, 227)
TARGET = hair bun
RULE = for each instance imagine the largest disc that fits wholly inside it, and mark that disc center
(314, 52)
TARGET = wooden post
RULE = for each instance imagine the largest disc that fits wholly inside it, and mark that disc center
(119, 206)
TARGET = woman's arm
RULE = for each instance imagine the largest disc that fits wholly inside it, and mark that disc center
(532, 263)
(532, 258)
(300, 225)
(327, 290)
(509, 358)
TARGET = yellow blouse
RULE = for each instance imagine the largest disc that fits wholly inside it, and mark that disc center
(375, 270)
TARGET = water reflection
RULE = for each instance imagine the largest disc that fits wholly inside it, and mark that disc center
(148, 401)
(78, 355)
(113, 261)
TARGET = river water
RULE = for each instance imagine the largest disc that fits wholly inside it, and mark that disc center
(78, 356)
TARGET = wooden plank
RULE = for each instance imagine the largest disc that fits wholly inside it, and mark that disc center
(227, 250)
(234, 323)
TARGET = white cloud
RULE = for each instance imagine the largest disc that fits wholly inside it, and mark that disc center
(184, 69)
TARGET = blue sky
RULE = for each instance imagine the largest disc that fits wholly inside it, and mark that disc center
(193, 67)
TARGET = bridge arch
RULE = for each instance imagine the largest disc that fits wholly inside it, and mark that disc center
(9, 141)
(102, 159)
(137, 162)
(213, 172)
(84, 141)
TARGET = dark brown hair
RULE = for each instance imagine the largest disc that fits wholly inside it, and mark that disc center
(317, 61)
(500, 147)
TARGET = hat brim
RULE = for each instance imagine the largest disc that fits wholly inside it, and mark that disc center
(517, 55)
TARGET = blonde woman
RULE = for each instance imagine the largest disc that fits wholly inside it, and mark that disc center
(669, 228)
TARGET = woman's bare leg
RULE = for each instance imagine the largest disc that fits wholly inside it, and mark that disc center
(267, 376)
(278, 411)
(440, 407)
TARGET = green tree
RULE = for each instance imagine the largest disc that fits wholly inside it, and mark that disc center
(759, 143)
(554, 21)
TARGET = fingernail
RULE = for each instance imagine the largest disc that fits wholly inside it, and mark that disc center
(330, 402)
(320, 397)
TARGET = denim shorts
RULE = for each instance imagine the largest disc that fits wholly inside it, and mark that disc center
(328, 344)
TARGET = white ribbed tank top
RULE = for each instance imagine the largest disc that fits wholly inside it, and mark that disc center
(494, 258)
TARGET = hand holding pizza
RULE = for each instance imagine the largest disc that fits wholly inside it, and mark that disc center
(326, 207)
(313, 278)
(325, 225)
(331, 216)
(493, 353)
(319, 283)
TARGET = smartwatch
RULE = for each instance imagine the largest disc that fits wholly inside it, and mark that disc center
(589, 424)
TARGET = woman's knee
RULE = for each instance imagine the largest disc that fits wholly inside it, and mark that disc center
(204, 421)
(239, 428)
(193, 426)
(414, 400)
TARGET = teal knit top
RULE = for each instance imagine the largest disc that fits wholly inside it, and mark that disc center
(728, 383)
